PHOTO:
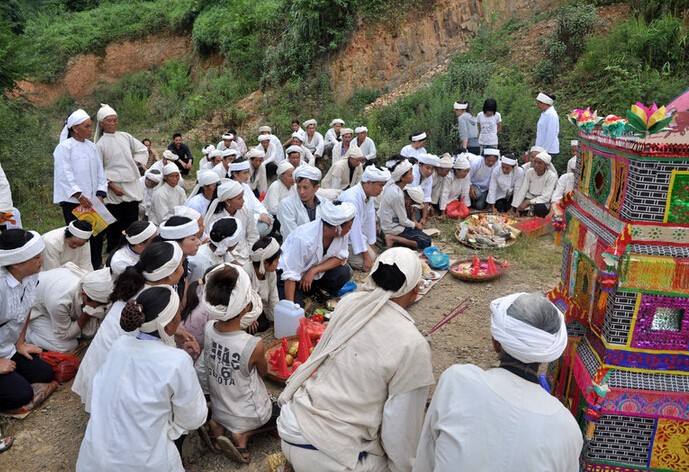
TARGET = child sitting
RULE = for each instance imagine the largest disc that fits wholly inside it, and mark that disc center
(265, 255)
(232, 365)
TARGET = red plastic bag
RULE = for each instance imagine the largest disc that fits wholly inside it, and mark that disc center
(456, 209)
(64, 365)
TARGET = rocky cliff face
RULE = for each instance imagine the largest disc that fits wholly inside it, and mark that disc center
(381, 57)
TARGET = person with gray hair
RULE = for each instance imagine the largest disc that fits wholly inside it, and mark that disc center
(502, 418)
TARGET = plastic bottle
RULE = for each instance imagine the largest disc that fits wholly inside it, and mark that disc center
(287, 316)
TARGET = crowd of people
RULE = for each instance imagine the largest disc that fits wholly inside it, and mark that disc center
(171, 296)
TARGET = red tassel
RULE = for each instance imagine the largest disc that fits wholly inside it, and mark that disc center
(304, 341)
(285, 347)
(281, 362)
(476, 267)
(492, 270)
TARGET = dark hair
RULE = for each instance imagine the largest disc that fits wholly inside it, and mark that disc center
(80, 224)
(176, 135)
(549, 94)
(511, 155)
(222, 229)
(132, 230)
(220, 284)
(232, 131)
(262, 244)
(397, 159)
(415, 133)
(296, 120)
(132, 280)
(388, 277)
(155, 171)
(490, 105)
(175, 221)
(314, 182)
(14, 238)
(145, 139)
(147, 306)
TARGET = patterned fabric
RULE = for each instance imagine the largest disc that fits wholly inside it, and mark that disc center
(671, 445)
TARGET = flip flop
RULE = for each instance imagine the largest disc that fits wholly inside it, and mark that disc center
(231, 451)
(6, 443)
(204, 432)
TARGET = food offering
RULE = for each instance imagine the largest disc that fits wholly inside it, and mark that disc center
(486, 231)
(478, 270)
(287, 354)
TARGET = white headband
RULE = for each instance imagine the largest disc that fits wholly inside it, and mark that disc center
(460, 106)
(337, 121)
(310, 122)
(374, 174)
(491, 152)
(253, 153)
(97, 285)
(429, 159)
(163, 319)
(360, 129)
(297, 135)
(508, 161)
(264, 137)
(415, 193)
(265, 129)
(283, 167)
(179, 232)
(145, 235)
(227, 136)
(242, 294)
(225, 244)
(462, 162)
(543, 98)
(419, 137)
(239, 166)
(169, 267)
(169, 155)
(79, 233)
(170, 169)
(308, 172)
(262, 254)
(156, 177)
(76, 118)
(30, 249)
(207, 150)
(402, 168)
(105, 111)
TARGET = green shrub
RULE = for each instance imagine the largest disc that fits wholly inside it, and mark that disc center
(652, 9)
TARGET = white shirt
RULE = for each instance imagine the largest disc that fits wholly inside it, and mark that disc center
(5, 192)
(338, 153)
(123, 258)
(536, 189)
(16, 299)
(266, 288)
(242, 251)
(338, 176)
(199, 203)
(392, 211)
(258, 180)
(481, 174)
(292, 213)
(120, 152)
(440, 186)
(363, 232)
(503, 186)
(488, 128)
(331, 137)
(145, 396)
(368, 147)
(57, 252)
(163, 202)
(458, 189)
(315, 144)
(548, 130)
(276, 193)
(147, 192)
(426, 184)
(565, 184)
(303, 249)
(220, 170)
(495, 420)
(78, 168)
(409, 151)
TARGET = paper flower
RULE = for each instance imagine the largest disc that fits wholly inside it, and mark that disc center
(614, 126)
(584, 119)
(647, 120)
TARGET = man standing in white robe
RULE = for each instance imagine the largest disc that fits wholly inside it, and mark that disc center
(357, 403)
(9, 215)
(362, 237)
(123, 155)
(548, 126)
(536, 190)
(503, 419)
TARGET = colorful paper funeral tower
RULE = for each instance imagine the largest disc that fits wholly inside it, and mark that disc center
(625, 292)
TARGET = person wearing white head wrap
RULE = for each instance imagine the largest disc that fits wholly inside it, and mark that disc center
(459, 185)
(241, 406)
(204, 191)
(302, 205)
(167, 195)
(271, 145)
(506, 179)
(149, 182)
(537, 189)
(415, 148)
(229, 141)
(314, 255)
(137, 237)
(466, 128)
(228, 157)
(297, 141)
(224, 236)
(20, 261)
(131, 384)
(313, 140)
(280, 189)
(262, 270)
(396, 213)
(206, 162)
(423, 177)
(565, 184)
(68, 244)
(332, 136)
(258, 179)
(362, 237)
(548, 126)
(69, 305)
(366, 144)
(342, 147)
(522, 423)
(239, 171)
(383, 415)
(442, 179)
(345, 172)
(481, 174)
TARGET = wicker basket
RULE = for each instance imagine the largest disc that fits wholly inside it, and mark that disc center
(464, 277)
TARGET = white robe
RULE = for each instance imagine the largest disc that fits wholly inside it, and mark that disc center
(536, 189)
(203, 260)
(292, 214)
(164, 201)
(303, 249)
(548, 130)
(220, 170)
(58, 253)
(315, 144)
(408, 151)
(338, 176)
(458, 189)
(267, 289)
(276, 193)
(55, 312)
(392, 211)
(425, 184)
(481, 174)
(78, 168)
(123, 258)
(338, 153)
(565, 184)
(494, 420)
(504, 186)
(5, 192)
(363, 232)
(331, 137)
(121, 152)
(145, 396)
(242, 251)
(199, 203)
(368, 147)
(440, 184)
(258, 180)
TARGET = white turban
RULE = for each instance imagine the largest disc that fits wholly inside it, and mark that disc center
(144, 235)
(208, 177)
(265, 129)
(298, 135)
(254, 152)
(522, 341)
(30, 249)
(157, 177)
(462, 162)
(537, 149)
(310, 122)
(79, 233)
(215, 153)
(355, 311)
(264, 253)
(361, 129)
(242, 294)
(545, 157)
(355, 153)
(445, 161)
(239, 166)
(76, 118)
(164, 318)
(460, 106)
(491, 152)
(230, 240)
(543, 98)
(429, 159)
(337, 215)
(227, 137)
(170, 168)
(344, 131)
(188, 212)
(572, 165)
(181, 231)
(264, 137)
(419, 137)
(402, 168)
(374, 174)
(97, 285)
(337, 121)
(105, 111)
(229, 152)
(207, 150)
(284, 166)
(226, 191)
(508, 161)
(308, 172)
(294, 148)
(415, 193)
(169, 267)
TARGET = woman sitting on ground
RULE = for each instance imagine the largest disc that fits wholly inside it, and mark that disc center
(265, 255)
(137, 237)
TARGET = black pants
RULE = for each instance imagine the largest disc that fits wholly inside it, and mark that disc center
(96, 242)
(503, 205)
(126, 213)
(331, 282)
(15, 387)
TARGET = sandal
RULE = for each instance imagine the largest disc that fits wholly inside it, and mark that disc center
(231, 451)
(205, 433)
(6, 443)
